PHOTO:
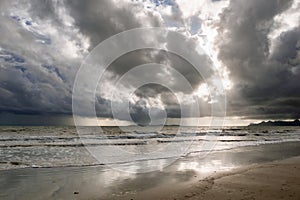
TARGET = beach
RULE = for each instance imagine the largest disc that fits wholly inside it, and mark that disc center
(269, 171)
(149, 100)
(275, 180)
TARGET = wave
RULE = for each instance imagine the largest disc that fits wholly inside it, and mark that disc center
(62, 147)
(90, 141)
(20, 164)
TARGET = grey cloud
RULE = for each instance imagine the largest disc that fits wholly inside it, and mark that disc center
(102, 19)
(130, 60)
(92, 16)
(139, 113)
(265, 85)
(43, 9)
(287, 48)
(36, 78)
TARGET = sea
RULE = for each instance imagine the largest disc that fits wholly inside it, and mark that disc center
(68, 146)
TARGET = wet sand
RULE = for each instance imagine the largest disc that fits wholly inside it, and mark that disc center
(255, 172)
(275, 180)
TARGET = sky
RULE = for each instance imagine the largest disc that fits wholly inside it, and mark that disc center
(253, 47)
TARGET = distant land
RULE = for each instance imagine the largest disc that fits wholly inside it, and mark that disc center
(296, 122)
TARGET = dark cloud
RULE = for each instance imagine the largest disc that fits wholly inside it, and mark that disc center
(102, 19)
(38, 79)
(139, 57)
(265, 79)
(287, 48)
(43, 43)
(11, 118)
(139, 113)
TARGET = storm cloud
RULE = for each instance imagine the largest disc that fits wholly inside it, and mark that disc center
(253, 45)
(265, 70)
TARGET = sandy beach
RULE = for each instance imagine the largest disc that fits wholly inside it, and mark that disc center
(257, 172)
(275, 180)
(149, 100)
(268, 181)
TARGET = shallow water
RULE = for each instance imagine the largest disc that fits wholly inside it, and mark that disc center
(62, 146)
(101, 182)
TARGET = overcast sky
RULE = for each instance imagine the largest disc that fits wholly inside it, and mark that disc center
(253, 46)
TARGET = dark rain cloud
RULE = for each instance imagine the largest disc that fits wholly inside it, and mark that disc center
(102, 19)
(266, 83)
(37, 77)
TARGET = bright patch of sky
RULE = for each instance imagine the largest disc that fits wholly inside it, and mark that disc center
(284, 22)
(199, 21)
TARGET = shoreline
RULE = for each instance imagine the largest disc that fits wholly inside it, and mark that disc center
(274, 180)
(18, 165)
(188, 178)
(279, 179)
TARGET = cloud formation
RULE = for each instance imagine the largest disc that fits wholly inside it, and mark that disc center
(264, 68)
(253, 45)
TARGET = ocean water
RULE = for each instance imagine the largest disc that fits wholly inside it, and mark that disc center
(50, 146)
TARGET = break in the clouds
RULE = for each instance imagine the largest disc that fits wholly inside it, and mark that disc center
(253, 46)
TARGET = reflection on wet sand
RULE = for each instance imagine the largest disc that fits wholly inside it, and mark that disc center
(105, 183)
